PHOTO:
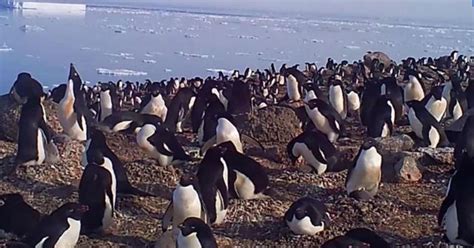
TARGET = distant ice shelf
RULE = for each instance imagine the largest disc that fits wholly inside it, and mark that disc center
(120, 72)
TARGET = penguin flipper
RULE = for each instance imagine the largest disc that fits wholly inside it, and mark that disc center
(448, 201)
(167, 219)
(159, 144)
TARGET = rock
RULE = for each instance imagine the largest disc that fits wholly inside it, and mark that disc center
(382, 57)
(391, 147)
(10, 115)
(436, 156)
(274, 125)
(407, 169)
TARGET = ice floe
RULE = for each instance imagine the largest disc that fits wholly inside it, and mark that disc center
(31, 28)
(352, 47)
(5, 48)
(120, 72)
(225, 71)
(149, 61)
(193, 55)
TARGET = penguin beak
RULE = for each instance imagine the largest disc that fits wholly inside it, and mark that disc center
(181, 226)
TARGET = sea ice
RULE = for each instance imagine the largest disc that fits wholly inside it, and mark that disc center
(120, 72)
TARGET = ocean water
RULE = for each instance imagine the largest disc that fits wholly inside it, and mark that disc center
(108, 43)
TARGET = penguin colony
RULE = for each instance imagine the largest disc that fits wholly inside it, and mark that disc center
(379, 93)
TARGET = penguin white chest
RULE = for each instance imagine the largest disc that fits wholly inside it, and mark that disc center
(353, 101)
(367, 171)
(415, 123)
(186, 203)
(292, 88)
(413, 90)
(437, 108)
(109, 206)
(457, 111)
(221, 209)
(322, 124)
(190, 241)
(300, 149)
(120, 126)
(304, 226)
(70, 237)
(244, 187)
(336, 98)
(71, 126)
(156, 106)
(105, 104)
(41, 144)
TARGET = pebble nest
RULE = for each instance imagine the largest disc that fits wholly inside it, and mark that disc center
(402, 213)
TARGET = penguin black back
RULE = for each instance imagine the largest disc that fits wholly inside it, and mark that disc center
(26, 87)
(16, 216)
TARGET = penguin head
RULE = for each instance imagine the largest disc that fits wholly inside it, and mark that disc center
(10, 199)
(74, 76)
(192, 225)
(437, 92)
(187, 179)
(226, 146)
(70, 210)
(369, 143)
(25, 87)
(454, 55)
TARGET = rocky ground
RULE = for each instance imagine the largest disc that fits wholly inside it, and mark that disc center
(402, 212)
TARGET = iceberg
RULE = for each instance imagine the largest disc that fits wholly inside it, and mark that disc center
(120, 72)
(5, 48)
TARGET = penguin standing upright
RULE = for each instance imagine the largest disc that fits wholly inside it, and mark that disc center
(186, 202)
(425, 125)
(35, 142)
(213, 178)
(363, 178)
(294, 80)
(325, 118)
(154, 104)
(179, 108)
(16, 216)
(307, 216)
(97, 151)
(161, 144)
(413, 89)
(73, 111)
(338, 98)
(98, 190)
(108, 101)
(59, 229)
(456, 215)
(195, 233)
(208, 124)
(383, 118)
(315, 148)
(370, 94)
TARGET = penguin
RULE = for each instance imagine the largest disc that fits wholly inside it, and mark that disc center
(240, 98)
(413, 88)
(208, 123)
(307, 216)
(186, 202)
(456, 215)
(98, 191)
(161, 144)
(73, 113)
(358, 237)
(458, 102)
(465, 142)
(25, 87)
(127, 121)
(435, 103)
(383, 114)
(425, 125)
(16, 216)
(154, 104)
(213, 178)
(59, 229)
(247, 178)
(370, 94)
(353, 100)
(390, 88)
(325, 118)
(97, 151)
(57, 93)
(294, 79)
(338, 97)
(470, 94)
(316, 150)
(363, 178)
(178, 109)
(35, 143)
(194, 232)
(109, 102)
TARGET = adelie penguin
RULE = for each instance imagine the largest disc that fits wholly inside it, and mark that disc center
(383, 114)
(363, 178)
(97, 151)
(179, 108)
(425, 126)
(413, 88)
(194, 233)
(325, 118)
(247, 178)
(109, 102)
(338, 97)
(127, 121)
(456, 215)
(161, 144)
(186, 202)
(154, 104)
(315, 148)
(307, 216)
(73, 112)
(435, 103)
(358, 237)
(35, 144)
(98, 191)
(59, 229)
(25, 87)
(213, 178)
(294, 80)
(16, 216)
